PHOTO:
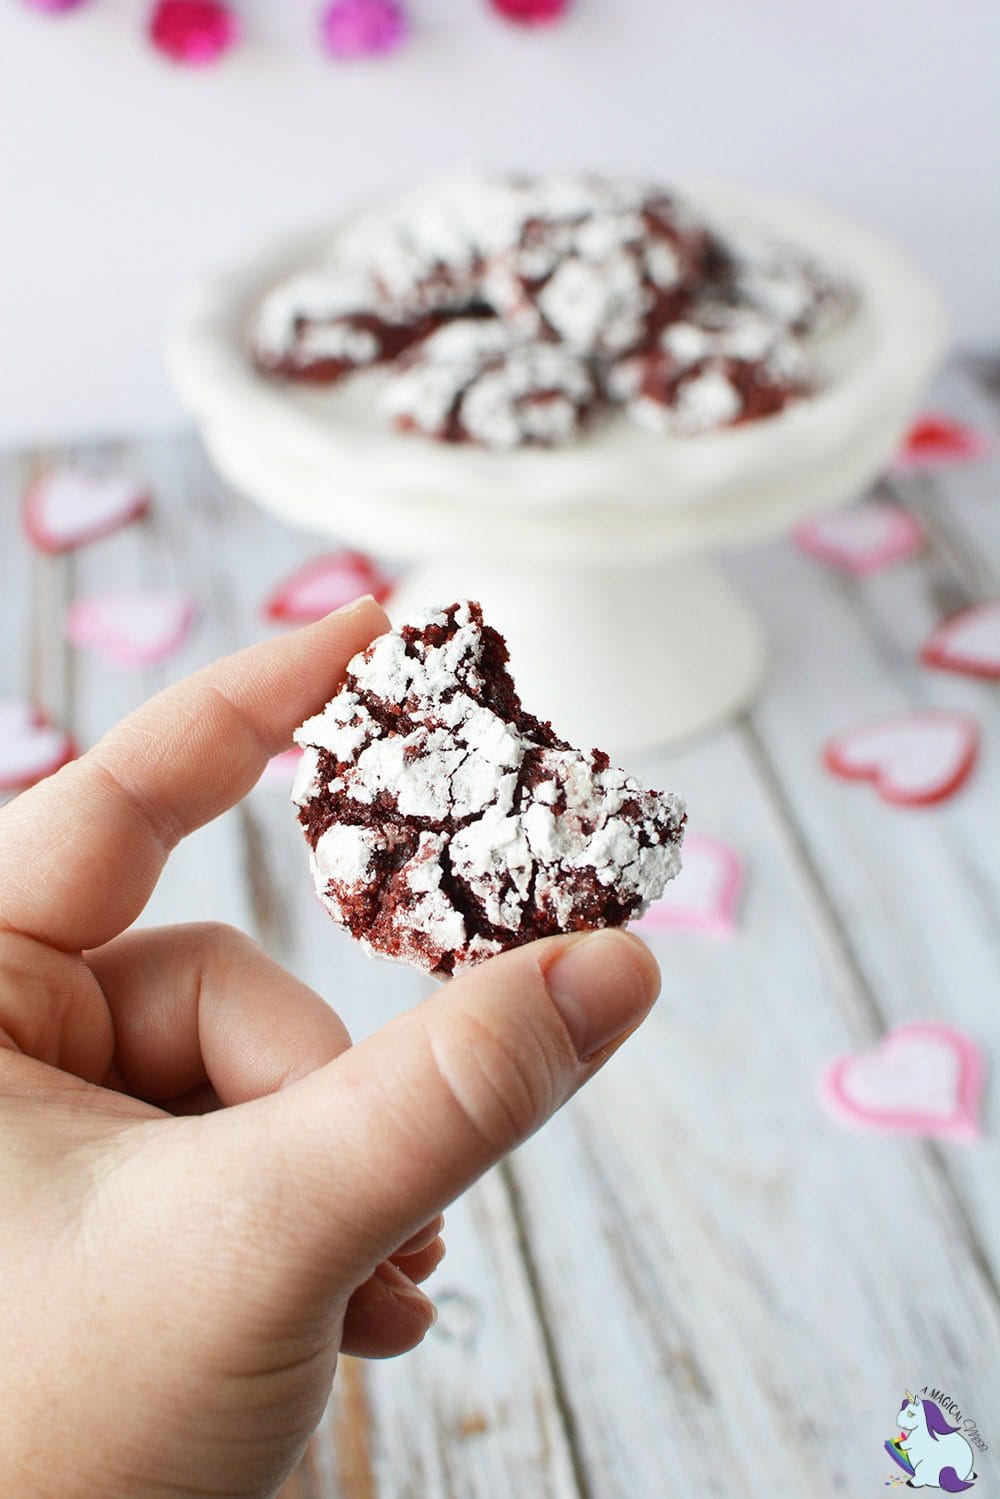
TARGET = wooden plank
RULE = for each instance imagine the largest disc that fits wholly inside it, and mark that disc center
(916, 892)
(723, 1267)
(851, 1278)
(469, 1415)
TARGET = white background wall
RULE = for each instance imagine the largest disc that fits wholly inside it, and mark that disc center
(122, 178)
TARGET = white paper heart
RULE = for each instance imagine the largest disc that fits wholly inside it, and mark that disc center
(913, 758)
(861, 540)
(131, 629)
(968, 642)
(705, 895)
(30, 747)
(66, 507)
(923, 1078)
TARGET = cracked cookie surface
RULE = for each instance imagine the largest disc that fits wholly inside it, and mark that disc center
(446, 824)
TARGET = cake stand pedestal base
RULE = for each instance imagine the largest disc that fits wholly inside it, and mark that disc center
(620, 658)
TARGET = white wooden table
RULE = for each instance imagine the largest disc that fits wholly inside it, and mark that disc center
(692, 1282)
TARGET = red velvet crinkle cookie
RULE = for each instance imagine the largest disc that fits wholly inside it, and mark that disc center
(322, 327)
(511, 310)
(783, 284)
(729, 366)
(446, 824)
(393, 275)
(472, 381)
(600, 264)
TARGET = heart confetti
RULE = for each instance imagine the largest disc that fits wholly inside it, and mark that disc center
(363, 28)
(968, 643)
(923, 1079)
(324, 584)
(705, 895)
(66, 507)
(531, 12)
(937, 440)
(30, 747)
(131, 629)
(914, 758)
(195, 32)
(863, 539)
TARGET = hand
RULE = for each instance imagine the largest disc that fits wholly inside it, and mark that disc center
(205, 1192)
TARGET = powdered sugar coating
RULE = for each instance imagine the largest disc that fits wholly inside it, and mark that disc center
(784, 285)
(428, 253)
(720, 366)
(446, 824)
(473, 381)
(599, 263)
(322, 326)
(570, 275)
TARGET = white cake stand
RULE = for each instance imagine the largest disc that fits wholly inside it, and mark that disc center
(596, 560)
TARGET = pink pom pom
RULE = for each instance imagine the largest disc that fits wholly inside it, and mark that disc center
(54, 7)
(363, 28)
(531, 12)
(196, 32)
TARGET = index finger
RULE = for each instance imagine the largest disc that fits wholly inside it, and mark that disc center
(81, 852)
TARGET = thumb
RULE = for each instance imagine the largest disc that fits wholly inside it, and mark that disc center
(372, 1145)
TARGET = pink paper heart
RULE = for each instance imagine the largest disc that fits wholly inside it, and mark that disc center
(863, 539)
(923, 1078)
(324, 584)
(705, 895)
(66, 507)
(30, 747)
(131, 629)
(968, 642)
(279, 772)
(936, 440)
(914, 758)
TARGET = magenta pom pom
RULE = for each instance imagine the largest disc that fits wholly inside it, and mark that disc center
(531, 12)
(196, 32)
(54, 7)
(363, 28)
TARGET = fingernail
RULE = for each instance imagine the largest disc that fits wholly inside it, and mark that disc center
(358, 603)
(602, 984)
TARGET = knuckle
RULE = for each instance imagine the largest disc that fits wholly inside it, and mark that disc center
(162, 825)
(218, 948)
(504, 1085)
(220, 936)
